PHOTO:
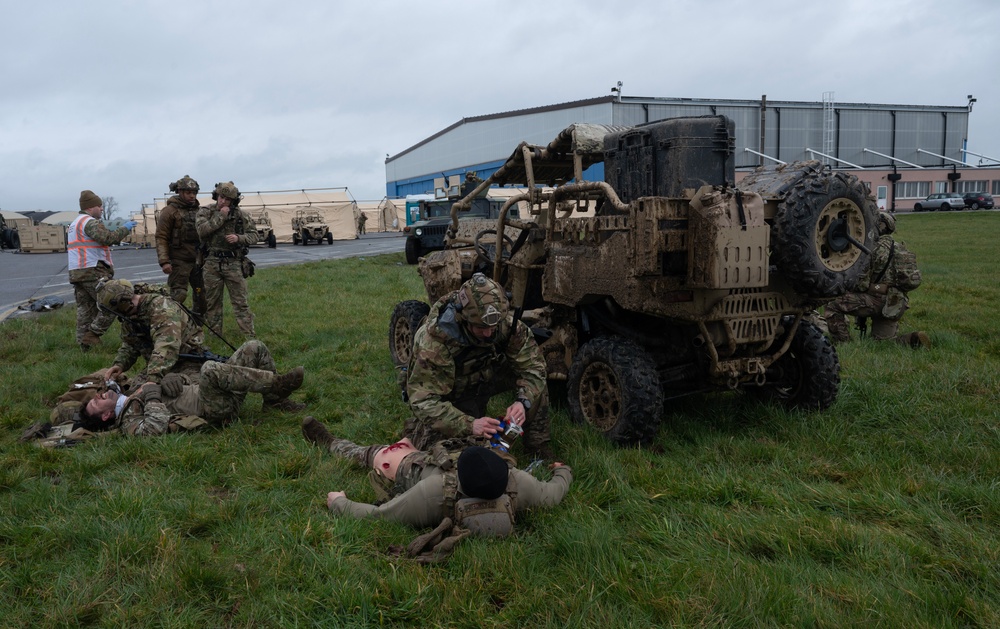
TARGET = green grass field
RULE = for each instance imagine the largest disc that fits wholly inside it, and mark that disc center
(882, 511)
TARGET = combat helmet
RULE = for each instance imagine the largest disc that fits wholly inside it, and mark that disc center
(184, 183)
(886, 223)
(226, 189)
(115, 295)
(482, 302)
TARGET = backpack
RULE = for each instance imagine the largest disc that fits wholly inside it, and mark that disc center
(906, 275)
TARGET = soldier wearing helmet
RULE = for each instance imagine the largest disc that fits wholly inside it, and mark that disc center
(468, 350)
(154, 327)
(177, 243)
(88, 245)
(226, 232)
(882, 294)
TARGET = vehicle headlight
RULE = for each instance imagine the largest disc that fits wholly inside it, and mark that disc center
(418, 231)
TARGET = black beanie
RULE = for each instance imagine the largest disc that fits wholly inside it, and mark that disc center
(481, 473)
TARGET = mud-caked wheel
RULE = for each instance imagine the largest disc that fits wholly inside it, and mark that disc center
(816, 230)
(412, 249)
(406, 318)
(807, 376)
(613, 386)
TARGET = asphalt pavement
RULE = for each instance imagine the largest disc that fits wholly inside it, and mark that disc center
(27, 276)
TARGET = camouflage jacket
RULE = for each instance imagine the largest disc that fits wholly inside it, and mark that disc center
(878, 267)
(447, 365)
(882, 271)
(213, 228)
(99, 233)
(142, 417)
(160, 331)
(425, 504)
(176, 234)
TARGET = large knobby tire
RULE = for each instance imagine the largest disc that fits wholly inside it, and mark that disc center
(412, 250)
(329, 238)
(613, 386)
(406, 318)
(807, 376)
(14, 241)
(809, 237)
(305, 237)
(272, 242)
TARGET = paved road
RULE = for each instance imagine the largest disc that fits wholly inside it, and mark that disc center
(24, 276)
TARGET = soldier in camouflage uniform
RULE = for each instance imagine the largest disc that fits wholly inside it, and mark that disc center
(418, 494)
(177, 244)
(226, 232)
(217, 397)
(154, 327)
(882, 293)
(88, 247)
(467, 350)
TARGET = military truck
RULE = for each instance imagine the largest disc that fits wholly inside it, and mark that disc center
(265, 231)
(310, 225)
(9, 236)
(428, 233)
(682, 281)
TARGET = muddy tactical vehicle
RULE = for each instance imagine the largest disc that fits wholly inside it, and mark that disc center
(309, 225)
(428, 233)
(265, 232)
(682, 281)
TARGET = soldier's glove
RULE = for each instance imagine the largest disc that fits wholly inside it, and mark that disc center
(151, 393)
(172, 385)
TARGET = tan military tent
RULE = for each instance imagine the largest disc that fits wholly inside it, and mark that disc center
(387, 215)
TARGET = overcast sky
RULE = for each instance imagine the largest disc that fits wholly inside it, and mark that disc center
(124, 97)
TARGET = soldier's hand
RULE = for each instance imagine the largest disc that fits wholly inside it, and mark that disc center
(150, 392)
(333, 495)
(167, 268)
(232, 238)
(556, 464)
(485, 426)
(114, 373)
(172, 385)
(516, 413)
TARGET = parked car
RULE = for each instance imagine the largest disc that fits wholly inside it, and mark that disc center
(943, 201)
(977, 200)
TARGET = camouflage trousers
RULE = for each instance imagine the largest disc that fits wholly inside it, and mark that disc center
(859, 305)
(221, 274)
(89, 318)
(183, 273)
(224, 386)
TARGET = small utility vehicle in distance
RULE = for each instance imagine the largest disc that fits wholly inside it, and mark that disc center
(309, 225)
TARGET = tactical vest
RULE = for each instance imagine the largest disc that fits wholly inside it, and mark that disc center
(485, 518)
(185, 233)
(475, 365)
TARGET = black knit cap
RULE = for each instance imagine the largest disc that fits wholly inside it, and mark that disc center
(481, 473)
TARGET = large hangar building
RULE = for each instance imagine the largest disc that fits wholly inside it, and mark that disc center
(903, 152)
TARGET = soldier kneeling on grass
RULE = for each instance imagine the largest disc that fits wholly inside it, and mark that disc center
(461, 493)
(176, 403)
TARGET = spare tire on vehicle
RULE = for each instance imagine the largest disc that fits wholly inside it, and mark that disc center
(818, 226)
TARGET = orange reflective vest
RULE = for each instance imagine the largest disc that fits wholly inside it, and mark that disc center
(84, 252)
